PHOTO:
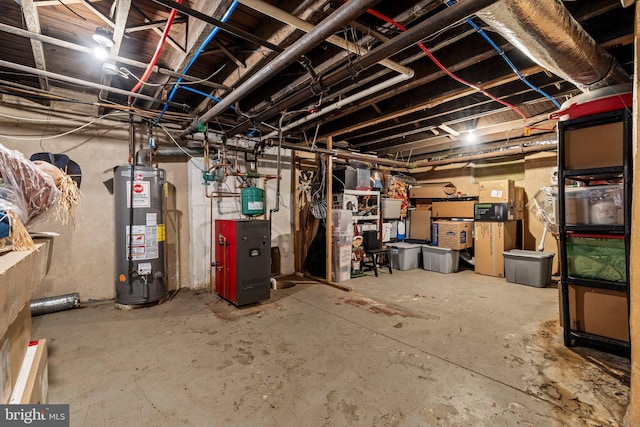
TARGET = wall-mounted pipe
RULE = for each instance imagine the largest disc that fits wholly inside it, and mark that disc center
(341, 103)
(548, 34)
(336, 20)
(400, 42)
(175, 154)
(73, 80)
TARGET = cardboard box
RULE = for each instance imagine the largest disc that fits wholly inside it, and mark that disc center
(13, 346)
(491, 239)
(20, 274)
(452, 234)
(495, 212)
(420, 225)
(32, 386)
(597, 311)
(500, 191)
(583, 147)
(452, 209)
(432, 191)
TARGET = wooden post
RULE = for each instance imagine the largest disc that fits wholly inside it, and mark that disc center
(633, 411)
(297, 231)
(329, 222)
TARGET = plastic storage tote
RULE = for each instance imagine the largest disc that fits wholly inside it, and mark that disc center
(404, 256)
(442, 260)
(595, 256)
(528, 267)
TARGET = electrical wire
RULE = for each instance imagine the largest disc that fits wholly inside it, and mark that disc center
(72, 11)
(156, 55)
(42, 138)
(445, 69)
(506, 59)
(179, 146)
(204, 44)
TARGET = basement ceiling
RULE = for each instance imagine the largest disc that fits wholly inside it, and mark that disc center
(237, 81)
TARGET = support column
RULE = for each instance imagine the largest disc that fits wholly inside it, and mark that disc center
(633, 411)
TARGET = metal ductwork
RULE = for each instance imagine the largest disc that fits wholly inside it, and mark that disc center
(546, 32)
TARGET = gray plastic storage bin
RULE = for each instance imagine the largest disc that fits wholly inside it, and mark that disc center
(528, 267)
(404, 256)
(442, 260)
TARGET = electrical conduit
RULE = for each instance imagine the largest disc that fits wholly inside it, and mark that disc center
(156, 55)
(506, 59)
(444, 69)
(204, 44)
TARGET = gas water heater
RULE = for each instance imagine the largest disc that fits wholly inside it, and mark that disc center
(139, 193)
(243, 260)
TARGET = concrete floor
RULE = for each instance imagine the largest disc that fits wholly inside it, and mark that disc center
(415, 348)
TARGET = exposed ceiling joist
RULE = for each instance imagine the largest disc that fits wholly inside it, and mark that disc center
(172, 42)
(54, 2)
(122, 13)
(30, 13)
(99, 14)
(153, 24)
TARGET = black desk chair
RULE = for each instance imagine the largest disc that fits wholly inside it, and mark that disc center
(375, 255)
(377, 258)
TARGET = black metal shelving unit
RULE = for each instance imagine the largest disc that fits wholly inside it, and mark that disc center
(592, 177)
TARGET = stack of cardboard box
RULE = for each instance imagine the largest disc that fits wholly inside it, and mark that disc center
(495, 225)
(420, 217)
(20, 274)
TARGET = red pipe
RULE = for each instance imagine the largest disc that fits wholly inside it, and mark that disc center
(443, 68)
(156, 55)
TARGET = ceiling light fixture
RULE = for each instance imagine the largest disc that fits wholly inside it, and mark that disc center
(101, 53)
(470, 137)
(103, 38)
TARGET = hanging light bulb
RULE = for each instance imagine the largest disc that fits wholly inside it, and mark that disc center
(470, 137)
(101, 53)
(103, 38)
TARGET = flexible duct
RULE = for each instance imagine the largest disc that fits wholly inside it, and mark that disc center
(546, 32)
(54, 304)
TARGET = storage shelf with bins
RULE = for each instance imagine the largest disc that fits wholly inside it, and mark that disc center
(365, 204)
(594, 203)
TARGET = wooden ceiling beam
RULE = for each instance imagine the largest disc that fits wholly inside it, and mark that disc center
(122, 12)
(32, 20)
(172, 42)
(153, 24)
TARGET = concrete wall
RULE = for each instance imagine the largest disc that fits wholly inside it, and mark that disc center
(83, 257)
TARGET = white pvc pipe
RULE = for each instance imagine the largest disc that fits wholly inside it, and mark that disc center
(339, 104)
(303, 25)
